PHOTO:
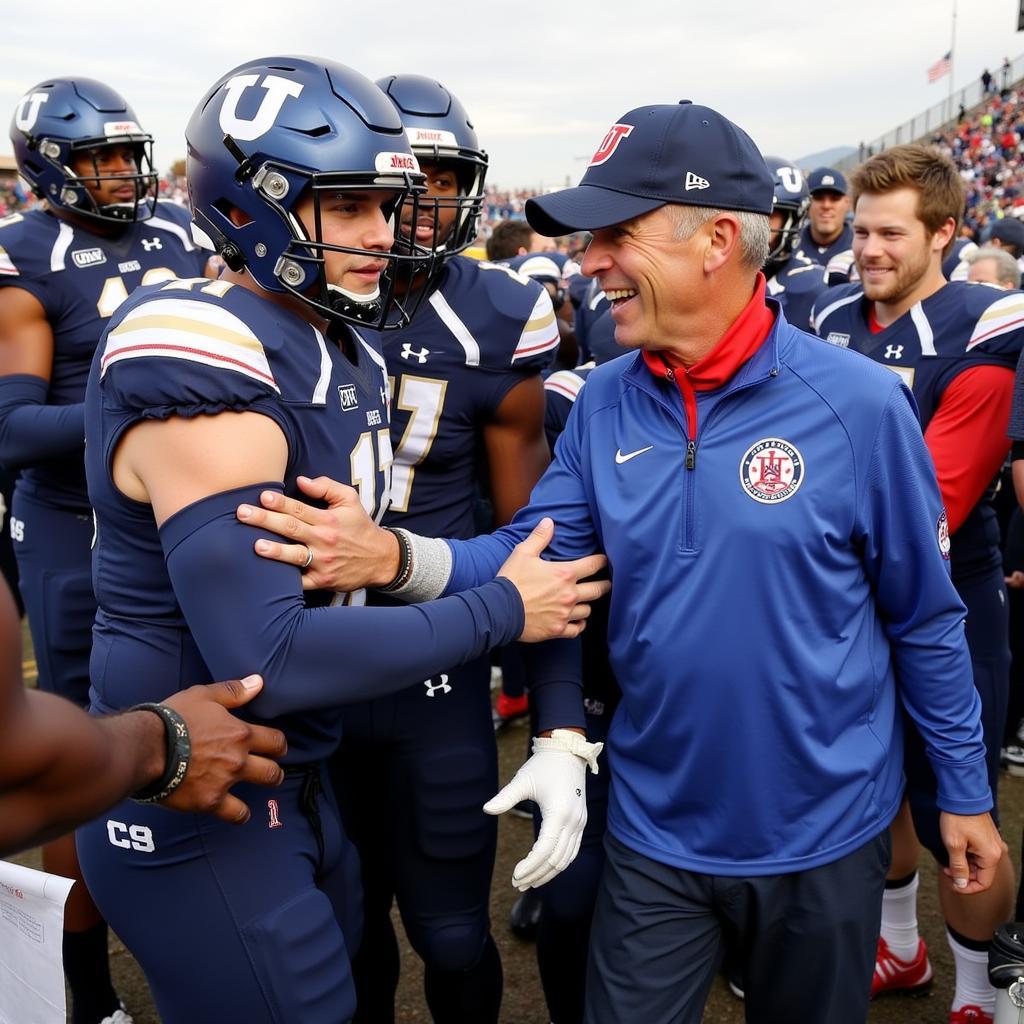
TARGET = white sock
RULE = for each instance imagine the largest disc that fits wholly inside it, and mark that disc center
(972, 984)
(899, 919)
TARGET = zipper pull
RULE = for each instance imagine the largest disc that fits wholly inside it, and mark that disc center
(691, 454)
(670, 374)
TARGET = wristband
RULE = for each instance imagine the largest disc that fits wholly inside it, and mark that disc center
(572, 743)
(404, 565)
(179, 751)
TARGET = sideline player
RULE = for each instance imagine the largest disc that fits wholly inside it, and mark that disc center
(204, 394)
(65, 266)
(467, 400)
(60, 767)
(792, 278)
(826, 238)
(955, 345)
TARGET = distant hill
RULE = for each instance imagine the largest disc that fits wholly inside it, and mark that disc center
(825, 157)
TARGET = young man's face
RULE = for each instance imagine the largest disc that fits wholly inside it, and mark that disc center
(827, 214)
(891, 246)
(108, 163)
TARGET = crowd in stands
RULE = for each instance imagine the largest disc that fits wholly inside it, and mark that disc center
(986, 145)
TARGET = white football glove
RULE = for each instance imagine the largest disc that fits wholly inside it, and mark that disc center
(555, 777)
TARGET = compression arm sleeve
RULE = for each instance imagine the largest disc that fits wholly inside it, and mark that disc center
(32, 431)
(247, 614)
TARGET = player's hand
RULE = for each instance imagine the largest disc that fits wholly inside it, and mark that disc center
(556, 603)
(1015, 581)
(554, 777)
(975, 847)
(349, 550)
(225, 750)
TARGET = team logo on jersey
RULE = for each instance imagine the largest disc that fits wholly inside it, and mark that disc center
(88, 257)
(434, 689)
(276, 91)
(151, 243)
(348, 397)
(610, 143)
(27, 110)
(942, 531)
(408, 352)
(274, 814)
(837, 338)
(695, 181)
(893, 351)
(771, 470)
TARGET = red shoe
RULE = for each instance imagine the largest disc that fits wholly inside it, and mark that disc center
(508, 709)
(895, 975)
(970, 1014)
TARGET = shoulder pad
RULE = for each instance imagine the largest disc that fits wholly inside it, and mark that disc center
(831, 301)
(28, 241)
(175, 220)
(182, 352)
(997, 317)
(567, 383)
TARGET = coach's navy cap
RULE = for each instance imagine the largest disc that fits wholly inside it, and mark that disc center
(826, 179)
(665, 153)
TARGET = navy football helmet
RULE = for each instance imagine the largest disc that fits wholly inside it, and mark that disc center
(277, 129)
(548, 268)
(440, 131)
(64, 117)
(792, 198)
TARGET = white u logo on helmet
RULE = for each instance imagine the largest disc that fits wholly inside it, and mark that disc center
(791, 178)
(28, 110)
(246, 129)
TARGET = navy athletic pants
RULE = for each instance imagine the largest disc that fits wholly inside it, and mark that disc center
(807, 939)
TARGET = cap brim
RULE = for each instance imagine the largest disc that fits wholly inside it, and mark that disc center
(584, 208)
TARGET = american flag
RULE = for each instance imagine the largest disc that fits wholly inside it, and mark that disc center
(940, 67)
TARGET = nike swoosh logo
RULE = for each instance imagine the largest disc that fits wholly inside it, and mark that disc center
(620, 458)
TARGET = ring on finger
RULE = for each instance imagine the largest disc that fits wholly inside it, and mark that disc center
(309, 559)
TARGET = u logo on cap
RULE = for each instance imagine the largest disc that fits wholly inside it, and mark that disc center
(610, 142)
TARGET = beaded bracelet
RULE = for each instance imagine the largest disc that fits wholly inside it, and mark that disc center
(405, 563)
(179, 752)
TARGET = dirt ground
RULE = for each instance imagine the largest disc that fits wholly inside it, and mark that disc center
(523, 1002)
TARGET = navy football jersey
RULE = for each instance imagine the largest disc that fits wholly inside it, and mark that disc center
(955, 266)
(190, 347)
(593, 303)
(80, 279)
(797, 287)
(809, 249)
(484, 329)
(961, 326)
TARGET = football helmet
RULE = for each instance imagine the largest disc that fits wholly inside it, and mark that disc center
(440, 131)
(792, 198)
(64, 117)
(547, 268)
(277, 129)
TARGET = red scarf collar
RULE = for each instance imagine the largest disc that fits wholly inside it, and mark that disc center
(743, 338)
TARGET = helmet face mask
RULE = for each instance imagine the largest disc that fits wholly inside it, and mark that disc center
(61, 121)
(280, 133)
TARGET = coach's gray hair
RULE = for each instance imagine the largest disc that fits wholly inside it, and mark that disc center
(1007, 271)
(754, 229)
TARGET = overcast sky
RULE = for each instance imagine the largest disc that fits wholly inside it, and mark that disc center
(543, 81)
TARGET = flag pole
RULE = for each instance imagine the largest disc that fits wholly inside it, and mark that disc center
(952, 62)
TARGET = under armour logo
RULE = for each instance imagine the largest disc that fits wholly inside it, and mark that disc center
(893, 351)
(695, 181)
(149, 244)
(408, 352)
(610, 143)
(441, 687)
(246, 129)
(275, 821)
(27, 111)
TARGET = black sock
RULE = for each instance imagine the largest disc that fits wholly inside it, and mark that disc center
(87, 968)
(978, 945)
(455, 997)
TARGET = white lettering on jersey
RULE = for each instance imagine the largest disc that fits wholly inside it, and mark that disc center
(130, 837)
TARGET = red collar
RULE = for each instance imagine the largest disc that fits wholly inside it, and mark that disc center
(743, 338)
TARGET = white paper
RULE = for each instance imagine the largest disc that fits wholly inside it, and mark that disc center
(31, 945)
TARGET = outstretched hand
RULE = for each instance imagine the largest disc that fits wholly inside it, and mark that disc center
(225, 750)
(338, 548)
(557, 604)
